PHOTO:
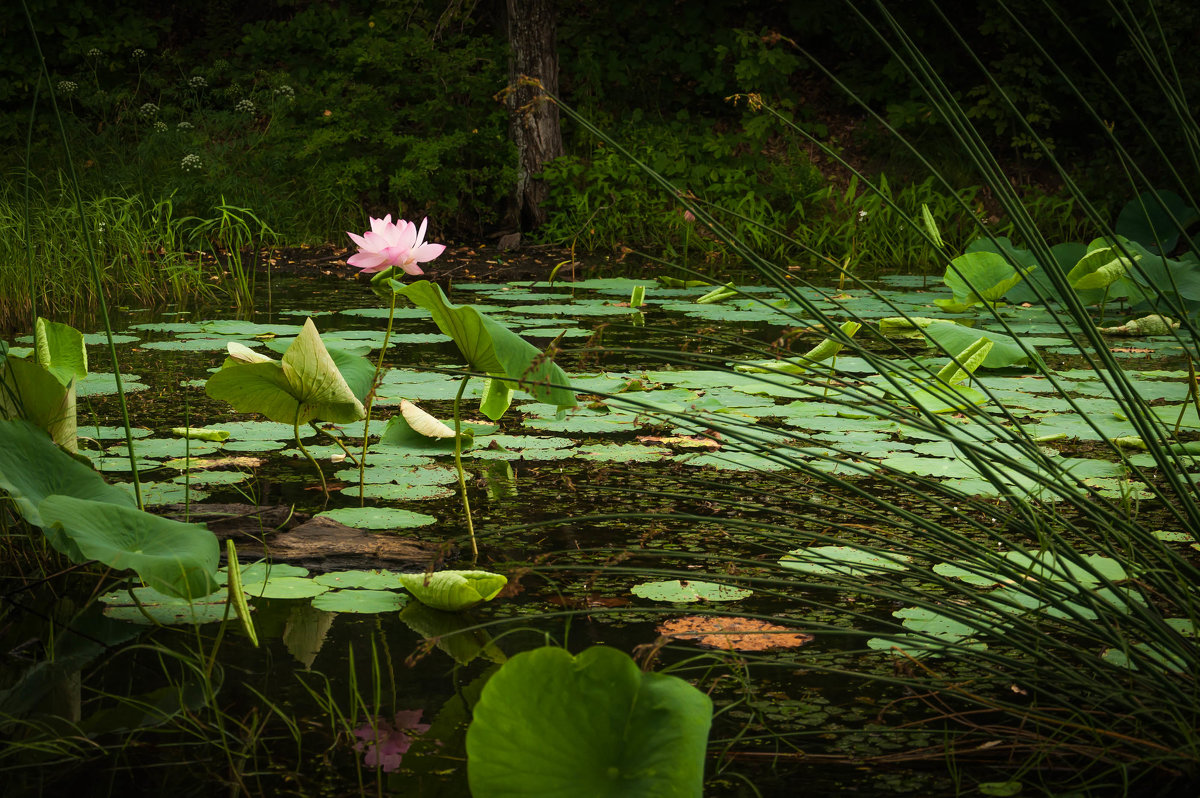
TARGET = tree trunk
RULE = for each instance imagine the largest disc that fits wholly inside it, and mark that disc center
(533, 120)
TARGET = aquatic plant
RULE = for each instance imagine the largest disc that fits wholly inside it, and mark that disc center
(1070, 662)
(610, 726)
(41, 388)
(87, 519)
(304, 385)
(508, 362)
(388, 249)
(389, 244)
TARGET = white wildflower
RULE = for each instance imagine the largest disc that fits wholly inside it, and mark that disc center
(191, 163)
(245, 106)
(197, 82)
(67, 87)
(148, 111)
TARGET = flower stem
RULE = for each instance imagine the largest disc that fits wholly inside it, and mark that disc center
(362, 461)
(462, 480)
(316, 465)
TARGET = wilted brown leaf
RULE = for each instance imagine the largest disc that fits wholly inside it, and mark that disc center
(733, 634)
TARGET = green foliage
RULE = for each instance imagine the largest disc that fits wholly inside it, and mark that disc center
(510, 362)
(88, 519)
(611, 726)
(41, 388)
(600, 200)
(137, 241)
(392, 114)
(305, 385)
(453, 591)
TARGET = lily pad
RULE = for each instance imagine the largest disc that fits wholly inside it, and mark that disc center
(367, 602)
(844, 560)
(378, 517)
(622, 732)
(283, 587)
(365, 580)
(687, 591)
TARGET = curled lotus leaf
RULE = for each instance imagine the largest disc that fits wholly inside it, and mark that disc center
(305, 385)
(453, 590)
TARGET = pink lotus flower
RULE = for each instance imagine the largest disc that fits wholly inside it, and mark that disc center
(386, 743)
(386, 244)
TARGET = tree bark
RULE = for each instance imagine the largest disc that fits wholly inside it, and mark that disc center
(533, 120)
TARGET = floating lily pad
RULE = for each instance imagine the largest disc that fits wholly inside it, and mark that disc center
(99, 383)
(164, 609)
(680, 591)
(258, 571)
(393, 492)
(378, 517)
(365, 580)
(361, 601)
(844, 560)
(283, 587)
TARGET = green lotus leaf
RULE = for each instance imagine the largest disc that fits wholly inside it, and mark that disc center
(829, 560)
(364, 580)
(32, 468)
(493, 349)
(60, 350)
(378, 517)
(172, 557)
(1005, 352)
(1046, 565)
(164, 609)
(303, 386)
(261, 570)
(283, 587)
(547, 723)
(453, 590)
(31, 392)
(1099, 268)
(688, 590)
(1154, 219)
(981, 277)
(965, 362)
(367, 602)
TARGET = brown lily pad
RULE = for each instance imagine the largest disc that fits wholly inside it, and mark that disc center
(732, 633)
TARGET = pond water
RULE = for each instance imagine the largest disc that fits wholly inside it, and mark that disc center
(577, 510)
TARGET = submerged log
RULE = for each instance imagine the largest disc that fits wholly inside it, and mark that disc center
(319, 544)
